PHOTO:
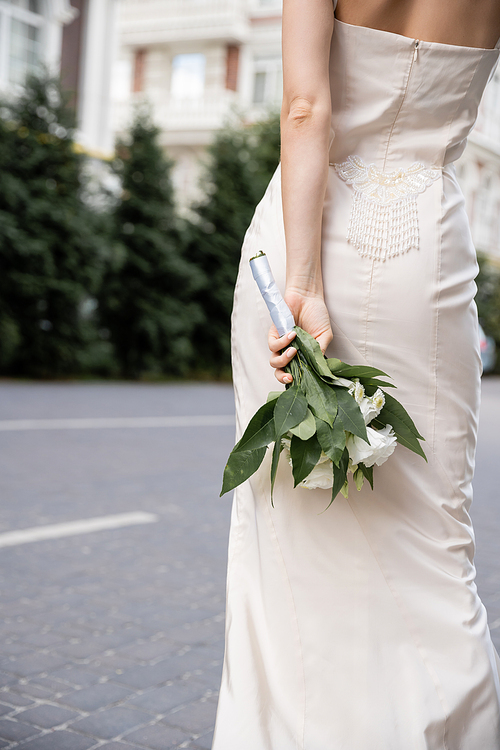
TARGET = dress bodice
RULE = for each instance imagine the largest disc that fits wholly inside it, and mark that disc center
(397, 100)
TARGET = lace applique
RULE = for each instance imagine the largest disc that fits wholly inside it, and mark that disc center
(384, 220)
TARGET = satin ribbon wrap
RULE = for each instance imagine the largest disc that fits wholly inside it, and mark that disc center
(278, 309)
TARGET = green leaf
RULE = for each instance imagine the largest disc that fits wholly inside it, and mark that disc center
(305, 455)
(350, 414)
(403, 434)
(341, 369)
(274, 465)
(305, 429)
(395, 407)
(260, 431)
(367, 473)
(395, 414)
(377, 383)
(273, 395)
(359, 478)
(321, 398)
(290, 409)
(335, 364)
(331, 439)
(312, 352)
(240, 466)
(339, 476)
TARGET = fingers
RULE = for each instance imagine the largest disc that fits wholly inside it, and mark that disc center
(324, 340)
(281, 360)
(277, 343)
(283, 377)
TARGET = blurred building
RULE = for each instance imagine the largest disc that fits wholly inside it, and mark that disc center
(75, 39)
(479, 173)
(196, 60)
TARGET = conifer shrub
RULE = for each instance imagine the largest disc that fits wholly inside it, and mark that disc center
(146, 299)
(241, 162)
(488, 300)
(50, 254)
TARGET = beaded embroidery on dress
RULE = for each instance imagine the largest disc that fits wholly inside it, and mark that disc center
(384, 220)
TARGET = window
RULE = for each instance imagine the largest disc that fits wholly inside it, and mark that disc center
(268, 80)
(31, 5)
(188, 76)
(21, 29)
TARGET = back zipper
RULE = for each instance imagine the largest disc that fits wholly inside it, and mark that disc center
(416, 45)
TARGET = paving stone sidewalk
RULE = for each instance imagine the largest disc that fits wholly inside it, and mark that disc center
(114, 639)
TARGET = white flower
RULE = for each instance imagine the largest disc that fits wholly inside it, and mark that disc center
(382, 445)
(357, 391)
(321, 477)
(372, 406)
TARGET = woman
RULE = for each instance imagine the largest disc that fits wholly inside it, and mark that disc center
(361, 628)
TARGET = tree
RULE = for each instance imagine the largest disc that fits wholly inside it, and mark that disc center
(50, 255)
(242, 160)
(488, 299)
(145, 301)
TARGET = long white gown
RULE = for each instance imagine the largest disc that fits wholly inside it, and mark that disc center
(361, 628)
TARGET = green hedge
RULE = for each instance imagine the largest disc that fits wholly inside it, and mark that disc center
(124, 286)
(51, 254)
(130, 289)
(488, 300)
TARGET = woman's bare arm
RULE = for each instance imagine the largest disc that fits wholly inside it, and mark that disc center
(305, 135)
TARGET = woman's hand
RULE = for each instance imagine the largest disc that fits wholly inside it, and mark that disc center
(311, 314)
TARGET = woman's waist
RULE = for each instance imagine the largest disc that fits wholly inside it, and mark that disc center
(391, 150)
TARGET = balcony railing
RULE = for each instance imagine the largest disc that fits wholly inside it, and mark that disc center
(181, 118)
(156, 21)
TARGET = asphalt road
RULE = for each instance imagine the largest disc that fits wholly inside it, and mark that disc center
(113, 638)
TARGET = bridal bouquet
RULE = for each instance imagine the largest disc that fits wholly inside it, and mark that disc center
(334, 419)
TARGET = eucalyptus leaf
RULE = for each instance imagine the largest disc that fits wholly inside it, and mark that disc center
(274, 464)
(240, 466)
(341, 369)
(359, 478)
(305, 455)
(395, 407)
(273, 395)
(367, 472)
(260, 430)
(377, 383)
(312, 352)
(321, 398)
(289, 411)
(335, 364)
(404, 435)
(339, 476)
(331, 439)
(305, 429)
(395, 414)
(350, 414)
(340, 473)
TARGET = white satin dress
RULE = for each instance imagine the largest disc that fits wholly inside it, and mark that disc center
(361, 628)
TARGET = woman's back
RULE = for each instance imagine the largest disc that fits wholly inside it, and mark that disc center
(469, 23)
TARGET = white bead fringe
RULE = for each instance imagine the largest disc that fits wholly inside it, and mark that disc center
(384, 219)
